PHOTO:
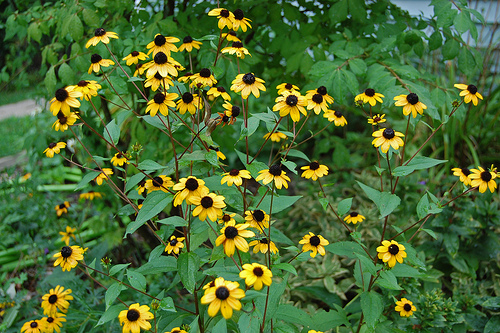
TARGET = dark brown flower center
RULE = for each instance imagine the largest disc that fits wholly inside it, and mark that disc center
(388, 133)
(159, 98)
(187, 40)
(221, 89)
(119, 155)
(354, 214)
(292, 100)
(465, 171)
(157, 181)
(370, 92)
(160, 58)
(393, 249)
(407, 307)
(238, 14)
(264, 241)
(237, 45)
(225, 119)
(338, 114)
(275, 170)
(191, 184)
(207, 202)
(133, 315)
(52, 299)
(158, 76)
(173, 242)
(317, 98)
(160, 40)
(135, 53)
(288, 86)
(258, 215)
(322, 90)
(222, 293)
(66, 251)
(234, 172)
(52, 145)
(61, 95)
(235, 111)
(486, 176)
(50, 319)
(226, 218)
(224, 13)
(257, 271)
(314, 166)
(95, 58)
(377, 119)
(62, 206)
(314, 240)
(62, 119)
(205, 72)
(34, 324)
(472, 89)
(138, 66)
(187, 97)
(412, 98)
(83, 83)
(248, 78)
(230, 232)
(99, 32)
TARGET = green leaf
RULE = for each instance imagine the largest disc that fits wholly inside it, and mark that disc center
(87, 179)
(91, 18)
(161, 264)
(492, 325)
(327, 320)
(290, 166)
(349, 249)
(137, 280)
(155, 202)
(188, 264)
(117, 268)
(149, 165)
(134, 180)
(367, 263)
(292, 314)
(279, 203)
(462, 22)
(167, 304)
(112, 293)
(112, 132)
(385, 201)
(76, 31)
(430, 232)
(466, 62)
(357, 66)
(298, 153)
(388, 280)
(66, 74)
(110, 314)
(286, 267)
(338, 11)
(250, 322)
(344, 206)
(175, 221)
(34, 32)
(450, 49)
(211, 157)
(435, 41)
(418, 163)
(50, 80)
(372, 306)
(492, 303)
(253, 124)
(324, 203)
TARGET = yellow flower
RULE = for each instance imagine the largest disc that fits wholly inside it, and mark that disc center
(225, 217)
(203, 79)
(97, 62)
(314, 243)
(188, 44)
(286, 87)
(176, 330)
(68, 257)
(240, 21)
(159, 183)
(56, 300)
(484, 179)
(369, 96)
(233, 235)
(34, 326)
(314, 170)
(274, 173)
(248, 84)
(139, 69)
(135, 318)
(189, 102)
(134, 57)
(230, 36)
(354, 217)
(162, 44)
(215, 92)
(410, 104)
(62, 208)
(105, 173)
(257, 219)
(63, 122)
(88, 88)
(226, 18)
(209, 206)
(174, 244)
(256, 275)
(386, 138)
(157, 80)
(232, 111)
(323, 92)
(219, 153)
(187, 188)
(224, 296)
(237, 49)
(54, 148)
(119, 159)
(313, 331)
(54, 322)
(405, 307)
(90, 195)
(161, 102)
(263, 245)
(101, 35)
(291, 102)
(463, 173)
(162, 64)
(235, 176)
(68, 234)
(276, 136)
(469, 92)
(64, 99)
(316, 101)
(390, 252)
(377, 119)
(336, 116)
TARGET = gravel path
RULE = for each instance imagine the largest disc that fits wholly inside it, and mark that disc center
(19, 109)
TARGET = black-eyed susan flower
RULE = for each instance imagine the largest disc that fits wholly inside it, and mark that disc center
(162, 44)
(224, 296)
(175, 244)
(232, 111)
(240, 21)
(135, 318)
(354, 217)
(257, 219)
(105, 173)
(405, 307)
(209, 205)
(134, 57)
(157, 80)
(97, 61)
(185, 78)
(237, 49)
(314, 171)
(316, 102)
(54, 148)
(56, 300)
(226, 217)
(248, 84)
(188, 44)
(209, 285)
(463, 173)
(276, 136)
(215, 92)
(68, 257)
(141, 187)
(68, 234)
(223, 119)
(263, 245)
(88, 88)
(274, 173)
(484, 179)
(119, 159)
(410, 104)
(256, 275)
(369, 96)
(314, 243)
(64, 99)
(54, 322)
(291, 102)
(323, 92)
(62, 208)
(218, 152)
(189, 102)
(235, 176)
(64, 122)
(159, 183)
(187, 188)
(377, 119)
(390, 252)
(139, 69)
(34, 326)
(233, 235)
(140, 203)
(231, 36)
(101, 35)
(387, 137)
(90, 195)
(161, 102)
(161, 64)
(336, 117)
(176, 330)
(226, 18)
(313, 331)
(469, 92)
(203, 79)
(286, 87)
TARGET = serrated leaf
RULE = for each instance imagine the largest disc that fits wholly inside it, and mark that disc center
(188, 264)
(372, 306)
(76, 31)
(388, 280)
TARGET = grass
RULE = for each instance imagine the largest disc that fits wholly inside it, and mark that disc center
(13, 130)
(9, 97)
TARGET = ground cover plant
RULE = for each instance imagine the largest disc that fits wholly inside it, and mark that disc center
(208, 195)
